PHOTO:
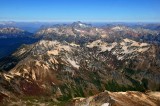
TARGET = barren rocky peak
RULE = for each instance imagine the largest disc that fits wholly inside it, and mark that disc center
(81, 32)
(129, 98)
(80, 24)
(75, 29)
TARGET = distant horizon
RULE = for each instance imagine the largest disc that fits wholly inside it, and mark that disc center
(79, 21)
(83, 10)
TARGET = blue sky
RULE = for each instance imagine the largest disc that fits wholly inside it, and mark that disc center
(80, 10)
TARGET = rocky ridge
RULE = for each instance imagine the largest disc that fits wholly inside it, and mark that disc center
(61, 70)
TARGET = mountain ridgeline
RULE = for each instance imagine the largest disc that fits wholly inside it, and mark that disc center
(12, 38)
(80, 60)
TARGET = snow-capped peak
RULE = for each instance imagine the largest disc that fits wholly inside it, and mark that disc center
(119, 28)
(80, 24)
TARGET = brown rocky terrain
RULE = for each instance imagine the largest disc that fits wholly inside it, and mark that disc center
(55, 71)
(129, 98)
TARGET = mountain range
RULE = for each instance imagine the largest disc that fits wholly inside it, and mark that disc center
(81, 64)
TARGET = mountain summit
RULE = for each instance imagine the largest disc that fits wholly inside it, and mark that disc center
(79, 24)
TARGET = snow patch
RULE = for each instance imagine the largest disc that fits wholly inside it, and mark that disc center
(82, 25)
(73, 63)
(143, 49)
(75, 45)
(143, 44)
(102, 45)
(118, 28)
(105, 104)
(128, 40)
(79, 30)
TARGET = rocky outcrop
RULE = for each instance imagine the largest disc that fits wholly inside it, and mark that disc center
(129, 98)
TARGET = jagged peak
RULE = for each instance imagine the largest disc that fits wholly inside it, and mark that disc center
(80, 24)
